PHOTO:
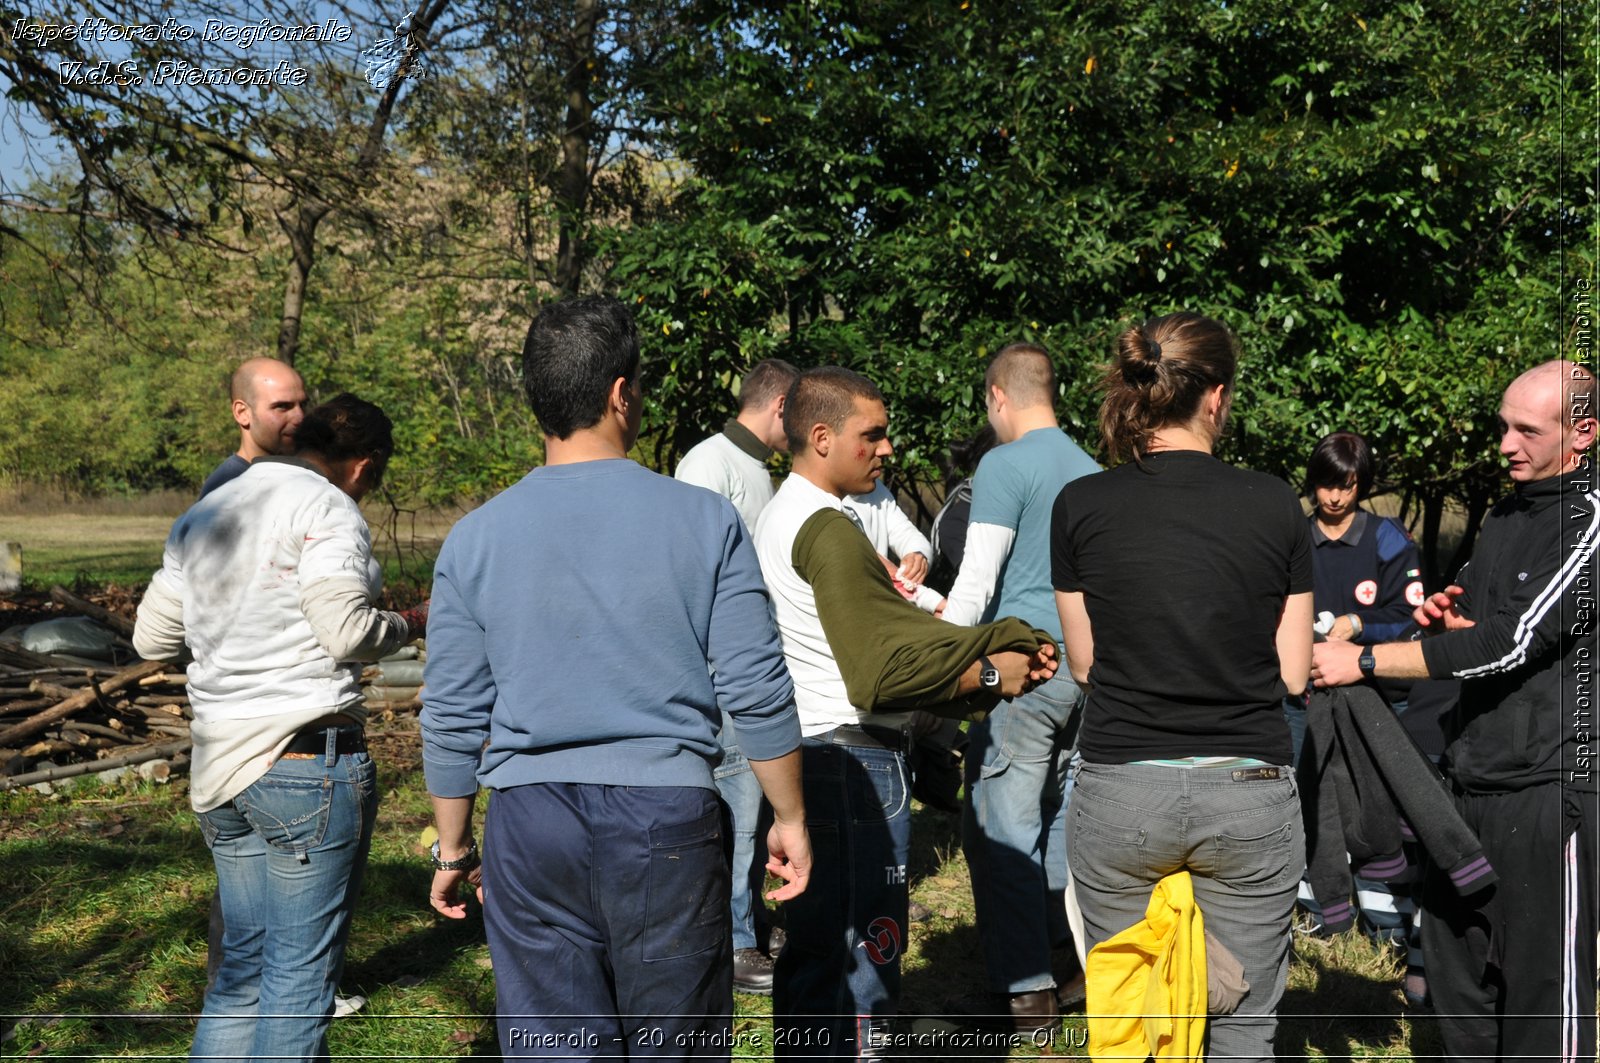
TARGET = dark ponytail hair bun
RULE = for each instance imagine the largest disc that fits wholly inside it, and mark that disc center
(346, 427)
(1138, 357)
(1162, 371)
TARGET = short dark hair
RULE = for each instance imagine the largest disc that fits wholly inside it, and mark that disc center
(1339, 459)
(347, 427)
(575, 350)
(825, 395)
(766, 380)
(1162, 370)
(1023, 371)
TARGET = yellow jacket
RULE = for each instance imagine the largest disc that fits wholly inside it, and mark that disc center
(1147, 985)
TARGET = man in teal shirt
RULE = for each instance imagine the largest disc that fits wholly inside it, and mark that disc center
(1014, 827)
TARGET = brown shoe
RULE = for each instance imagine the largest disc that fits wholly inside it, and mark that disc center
(1035, 1011)
(752, 972)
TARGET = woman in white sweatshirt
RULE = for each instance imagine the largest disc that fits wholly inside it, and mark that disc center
(270, 582)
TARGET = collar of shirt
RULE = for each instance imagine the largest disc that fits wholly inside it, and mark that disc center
(810, 495)
(1352, 537)
(746, 440)
(288, 459)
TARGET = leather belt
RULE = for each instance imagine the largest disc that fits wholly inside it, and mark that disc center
(313, 742)
(867, 737)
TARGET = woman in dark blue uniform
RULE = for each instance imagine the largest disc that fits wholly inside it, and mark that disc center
(1368, 573)
(1367, 578)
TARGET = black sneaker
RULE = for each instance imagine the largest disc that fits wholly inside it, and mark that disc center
(752, 972)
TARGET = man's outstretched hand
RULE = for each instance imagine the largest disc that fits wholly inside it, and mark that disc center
(1439, 612)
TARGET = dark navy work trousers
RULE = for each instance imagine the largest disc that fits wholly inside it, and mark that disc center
(607, 915)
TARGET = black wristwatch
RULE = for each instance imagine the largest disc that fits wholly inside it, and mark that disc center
(988, 675)
(466, 862)
(1366, 662)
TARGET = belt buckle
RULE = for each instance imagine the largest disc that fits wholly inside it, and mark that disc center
(1257, 774)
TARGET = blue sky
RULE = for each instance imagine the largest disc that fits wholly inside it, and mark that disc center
(26, 146)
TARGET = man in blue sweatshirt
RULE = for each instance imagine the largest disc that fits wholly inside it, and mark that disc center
(587, 626)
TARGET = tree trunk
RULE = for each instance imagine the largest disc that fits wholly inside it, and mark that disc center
(572, 179)
(300, 222)
(301, 228)
(1432, 515)
(1477, 507)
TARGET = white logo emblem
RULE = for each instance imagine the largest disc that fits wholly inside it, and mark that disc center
(1414, 593)
(1367, 591)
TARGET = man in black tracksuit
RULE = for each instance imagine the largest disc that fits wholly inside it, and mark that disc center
(1512, 969)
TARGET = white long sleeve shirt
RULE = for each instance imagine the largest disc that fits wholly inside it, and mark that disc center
(892, 534)
(270, 581)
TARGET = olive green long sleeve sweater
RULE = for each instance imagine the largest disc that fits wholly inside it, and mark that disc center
(891, 654)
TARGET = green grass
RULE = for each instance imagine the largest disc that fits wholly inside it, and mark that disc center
(106, 927)
(1344, 1002)
(100, 546)
(86, 549)
(103, 937)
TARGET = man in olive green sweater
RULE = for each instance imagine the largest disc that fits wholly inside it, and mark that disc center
(858, 652)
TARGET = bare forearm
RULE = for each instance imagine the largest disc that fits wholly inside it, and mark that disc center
(1399, 660)
(1339, 663)
(968, 681)
(453, 818)
(780, 781)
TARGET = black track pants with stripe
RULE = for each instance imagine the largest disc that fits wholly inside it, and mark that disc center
(1512, 969)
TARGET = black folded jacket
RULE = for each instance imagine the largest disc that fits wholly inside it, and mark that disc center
(1365, 787)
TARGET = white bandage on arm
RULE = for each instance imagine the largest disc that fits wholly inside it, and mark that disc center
(988, 546)
(927, 599)
(347, 625)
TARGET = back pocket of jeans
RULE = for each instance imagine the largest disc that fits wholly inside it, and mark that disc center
(686, 907)
(1110, 855)
(290, 816)
(1263, 861)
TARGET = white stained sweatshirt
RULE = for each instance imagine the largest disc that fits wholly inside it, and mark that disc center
(270, 581)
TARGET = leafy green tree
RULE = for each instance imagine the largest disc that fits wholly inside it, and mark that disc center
(167, 139)
(1372, 198)
(135, 398)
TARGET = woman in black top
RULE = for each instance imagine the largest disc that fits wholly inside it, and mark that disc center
(1184, 586)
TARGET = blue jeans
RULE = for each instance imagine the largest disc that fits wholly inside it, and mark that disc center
(289, 852)
(838, 978)
(1242, 841)
(1014, 831)
(740, 791)
(607, 914)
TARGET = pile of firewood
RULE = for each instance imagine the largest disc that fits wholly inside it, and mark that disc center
(62, 717)
(62, 720)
